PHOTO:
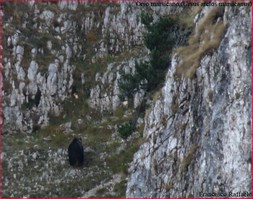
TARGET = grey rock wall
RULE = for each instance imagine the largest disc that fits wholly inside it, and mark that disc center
(43, 44)
(198, 132)
(106, 95)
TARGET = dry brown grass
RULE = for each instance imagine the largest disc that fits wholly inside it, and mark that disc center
(156, 95)
(207, 37)
(174, 104)
(187, 17)
(188, 159)
(91, 36)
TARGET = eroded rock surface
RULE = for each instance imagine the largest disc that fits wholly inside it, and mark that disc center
(198, 132)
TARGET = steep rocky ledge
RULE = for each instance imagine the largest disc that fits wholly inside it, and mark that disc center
(198, 131)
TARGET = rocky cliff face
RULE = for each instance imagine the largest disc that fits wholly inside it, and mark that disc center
(198, 132)
(61, 64)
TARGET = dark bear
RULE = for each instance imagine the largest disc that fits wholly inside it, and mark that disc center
(76, 152)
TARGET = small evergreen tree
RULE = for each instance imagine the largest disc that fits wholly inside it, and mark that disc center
(125, 130)
(163, 35)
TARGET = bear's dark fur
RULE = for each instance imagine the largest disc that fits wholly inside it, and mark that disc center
(76, 152)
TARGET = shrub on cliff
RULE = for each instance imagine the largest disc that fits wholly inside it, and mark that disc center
(162, 36)
(125, 130)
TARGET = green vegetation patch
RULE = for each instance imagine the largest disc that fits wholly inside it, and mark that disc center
(118, 163)
(126, 129)
(120, 189)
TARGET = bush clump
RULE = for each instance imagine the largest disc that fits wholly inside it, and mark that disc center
(125, 130)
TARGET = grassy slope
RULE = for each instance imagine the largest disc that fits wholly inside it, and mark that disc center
(36, 164)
